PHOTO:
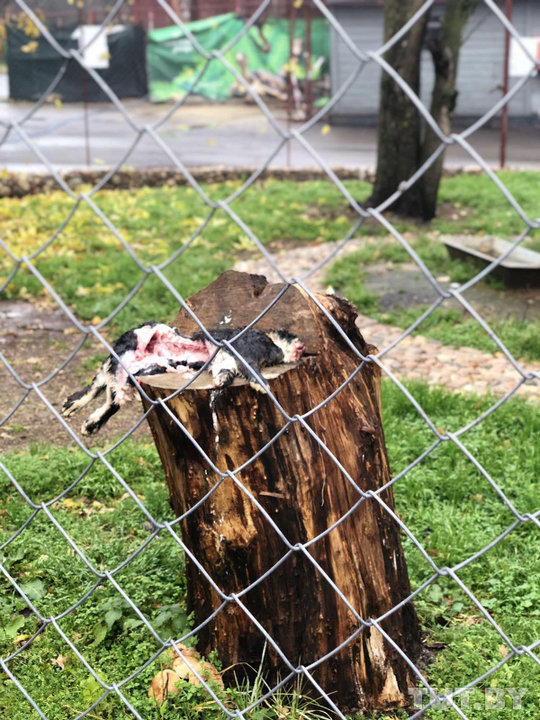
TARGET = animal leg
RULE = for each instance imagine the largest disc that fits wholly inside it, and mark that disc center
(252, 364)
(224, 368)
(79, 399)
(228, 367)
(100, 416)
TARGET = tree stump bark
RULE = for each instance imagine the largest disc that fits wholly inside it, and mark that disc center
(306, 495)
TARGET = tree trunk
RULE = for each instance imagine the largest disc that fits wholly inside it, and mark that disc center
(404, 139)
(304, 498)
(444, 48)
(399, 127)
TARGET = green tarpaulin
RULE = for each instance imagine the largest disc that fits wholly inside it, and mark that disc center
(173, 64)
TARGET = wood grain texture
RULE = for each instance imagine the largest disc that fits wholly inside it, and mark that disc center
(235, 299)
(304, 493)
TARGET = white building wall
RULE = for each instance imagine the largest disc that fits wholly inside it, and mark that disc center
(364, 27)
(480, 74)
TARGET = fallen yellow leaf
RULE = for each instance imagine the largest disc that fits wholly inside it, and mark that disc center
(69, 503)
(18, 639)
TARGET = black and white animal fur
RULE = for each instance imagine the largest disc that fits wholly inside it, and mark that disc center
(157, 348)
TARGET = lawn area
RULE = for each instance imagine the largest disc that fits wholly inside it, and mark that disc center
(449, 325)
(91, 271)
(469, 205)
(445, 502)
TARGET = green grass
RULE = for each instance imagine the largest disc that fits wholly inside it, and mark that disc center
(454, 512)
(91, 271)
(454, 327)
(449, 325)
(482, 209)
(469, 204)
(451, 509)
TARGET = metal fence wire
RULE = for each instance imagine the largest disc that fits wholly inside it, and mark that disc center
(18, 128)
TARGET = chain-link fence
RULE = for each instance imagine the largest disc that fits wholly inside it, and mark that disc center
(42, 512)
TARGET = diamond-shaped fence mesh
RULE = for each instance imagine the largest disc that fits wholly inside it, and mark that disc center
(112, 693)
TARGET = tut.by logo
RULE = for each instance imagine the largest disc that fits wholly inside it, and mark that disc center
(488, 698)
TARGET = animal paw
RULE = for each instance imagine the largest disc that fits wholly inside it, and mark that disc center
(257, 386)
(89, 428)
(224, 378)
(73, 403)
(67, 408)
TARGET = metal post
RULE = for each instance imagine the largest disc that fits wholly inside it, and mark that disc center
(84, 83)
(504, 114)
(290, 89)
(308, 88)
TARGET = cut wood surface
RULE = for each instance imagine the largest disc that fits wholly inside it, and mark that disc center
(205, 381)
(293, 514)
(235, 299)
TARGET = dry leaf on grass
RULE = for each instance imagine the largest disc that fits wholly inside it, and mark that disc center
(165, 683)
(60, 661)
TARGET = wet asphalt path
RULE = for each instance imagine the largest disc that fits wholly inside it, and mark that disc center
(233, 134)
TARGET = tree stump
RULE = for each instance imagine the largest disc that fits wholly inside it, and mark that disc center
(305, 494)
